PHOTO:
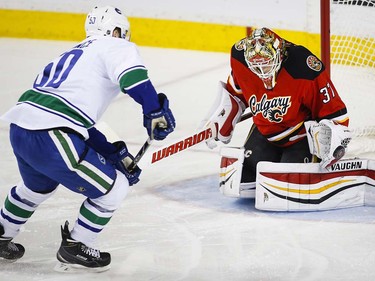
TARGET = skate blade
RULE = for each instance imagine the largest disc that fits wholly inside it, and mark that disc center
(76, 268)
(2, 260)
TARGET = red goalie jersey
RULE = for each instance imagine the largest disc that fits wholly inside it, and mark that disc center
(303, 92)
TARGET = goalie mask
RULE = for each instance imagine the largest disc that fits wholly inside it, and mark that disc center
(263, 55)
(104, 21)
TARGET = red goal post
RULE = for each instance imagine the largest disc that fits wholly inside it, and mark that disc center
(325, 41)
(347, 29)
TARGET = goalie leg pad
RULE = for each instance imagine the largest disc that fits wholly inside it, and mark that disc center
(370, 186)
(230, 174)
(309, 187)
(231, 170)
(247, 190)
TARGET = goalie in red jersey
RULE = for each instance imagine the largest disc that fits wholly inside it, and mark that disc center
(297, 112)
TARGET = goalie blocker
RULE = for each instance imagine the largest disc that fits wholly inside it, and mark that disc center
(223, 116)
(300, 186)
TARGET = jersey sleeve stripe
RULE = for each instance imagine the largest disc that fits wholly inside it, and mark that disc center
(133, 77)
(340, 116)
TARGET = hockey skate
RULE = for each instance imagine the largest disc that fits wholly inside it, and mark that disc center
(9, 251)
(74, 256)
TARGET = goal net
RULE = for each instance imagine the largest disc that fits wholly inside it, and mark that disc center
(352, 62)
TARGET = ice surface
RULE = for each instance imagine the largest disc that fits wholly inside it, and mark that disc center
(175, 225)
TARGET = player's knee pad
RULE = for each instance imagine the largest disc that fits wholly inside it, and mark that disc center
(230, 174)
(101, 209)
(26, 194)
(24, 202)
(113, 199)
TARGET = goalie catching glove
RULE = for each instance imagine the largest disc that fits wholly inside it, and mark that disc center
(122, 159)
(160, 123)
(327, 140)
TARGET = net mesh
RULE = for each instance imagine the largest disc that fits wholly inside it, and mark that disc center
(352, 31)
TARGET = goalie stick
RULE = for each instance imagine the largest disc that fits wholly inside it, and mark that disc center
(178, 145)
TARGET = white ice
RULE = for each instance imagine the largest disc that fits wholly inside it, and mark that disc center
(174, 225)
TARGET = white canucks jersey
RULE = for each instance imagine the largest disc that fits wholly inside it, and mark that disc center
(75, 89)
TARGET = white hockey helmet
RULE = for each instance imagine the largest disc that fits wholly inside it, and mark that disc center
(104, 20)
(263, 55)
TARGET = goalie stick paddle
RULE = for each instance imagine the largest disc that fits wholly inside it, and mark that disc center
(177, 146)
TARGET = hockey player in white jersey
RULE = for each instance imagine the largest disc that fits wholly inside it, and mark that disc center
(55, 142)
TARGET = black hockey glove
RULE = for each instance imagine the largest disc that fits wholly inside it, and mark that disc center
(121, 159)
(160, 123)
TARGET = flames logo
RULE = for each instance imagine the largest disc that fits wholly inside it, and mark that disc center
(274, 115)
(314, 63)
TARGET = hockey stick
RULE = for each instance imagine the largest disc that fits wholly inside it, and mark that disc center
(177, 146)
(245, 117)
(143, 150)
(140, 154)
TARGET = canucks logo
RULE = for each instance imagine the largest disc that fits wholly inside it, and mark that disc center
(101, 158)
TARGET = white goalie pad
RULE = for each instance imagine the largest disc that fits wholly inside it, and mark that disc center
(370, 184)
(223, 115)
(230, 174)
(327, 140)
(309, 187)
